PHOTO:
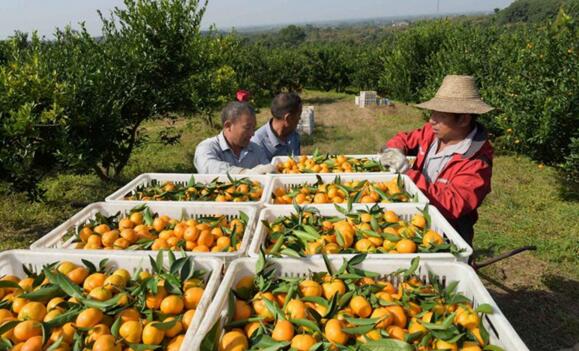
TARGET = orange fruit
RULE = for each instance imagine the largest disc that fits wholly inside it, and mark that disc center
(470, 346)
(175, 343)
(283, 331)
(64, 267)
(96, 331)
(33, 310)
(78, 275)
(395, 332)
(51, 315)
(310, 288)
(360, 306)
(406, 246)
(385, 317)
(250, 328)
(245, 283)
(242, 310)
(321, 198)
(105, 343)
(153, 301)
(398, 314)
(131, 331)
(33, 344)
(115, 282)
(443, 345)
(152, 335)
(332, 288)
(391, 217)
(260, 307)
(187, 318)
(363, 245)
(129, 314)
(172, 304)
(373, 334)
(295, 309)
(94, 280)
(419, 221)
(192, 297)
(175, 330)
(100, 294)
(334, 333)
(27, 329)
(347, 233)
(432, 238)
(89, 318)
(234, 340)
(303, 342)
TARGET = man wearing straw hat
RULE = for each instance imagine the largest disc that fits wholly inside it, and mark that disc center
(453, 164)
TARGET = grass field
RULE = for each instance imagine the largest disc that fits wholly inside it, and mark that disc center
(538, 292)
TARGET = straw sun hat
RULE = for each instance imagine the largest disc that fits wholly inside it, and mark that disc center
(457, 94)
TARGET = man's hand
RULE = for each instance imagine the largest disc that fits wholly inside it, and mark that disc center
(260, 169)
(395, 159)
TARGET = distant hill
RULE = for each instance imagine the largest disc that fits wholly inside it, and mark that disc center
(536, 10)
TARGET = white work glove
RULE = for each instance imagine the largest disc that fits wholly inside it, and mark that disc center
(395, 159)
(260, 169)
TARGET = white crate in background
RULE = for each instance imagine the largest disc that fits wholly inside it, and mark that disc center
(501, 333)
(404, 210)
(307, 120)
(290, 182)
(182, 178)
(11, 262)
(59, 238)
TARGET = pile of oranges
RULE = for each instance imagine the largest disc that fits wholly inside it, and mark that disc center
(69, 306)
(372, 230)
(351, 309)
(141, 229)
(329, 164)
(339, 192)
(234, 190)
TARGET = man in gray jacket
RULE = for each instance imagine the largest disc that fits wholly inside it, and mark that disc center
(232, 150)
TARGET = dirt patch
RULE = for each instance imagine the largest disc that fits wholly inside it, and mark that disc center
(540, 302)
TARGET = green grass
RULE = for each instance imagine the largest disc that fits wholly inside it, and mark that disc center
(538, 292)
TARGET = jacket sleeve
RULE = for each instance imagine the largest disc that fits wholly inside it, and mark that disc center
(407, 141)
(207, 161)
(463, 194)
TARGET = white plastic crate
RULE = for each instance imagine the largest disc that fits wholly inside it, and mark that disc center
(375, 157)
(404, 210)
(290, 182)
(11, 262)
(147, 178)
(58, 238)
(501, 333)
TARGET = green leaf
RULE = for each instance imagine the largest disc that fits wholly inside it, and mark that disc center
(328, 264)
(143, 347)
(356, 260)
(45, 292)
(116, 327)
(56, 344)
(210, 340)
(63, 283)
(9, 284)
(64, 318)
(8, 325)
(484, 308)
(363, 329)
(413, 267)
(166, 325)
(306, 323)
(387, 345)
(290, 252)
(89, 265)
(147, 217)
(493, 348)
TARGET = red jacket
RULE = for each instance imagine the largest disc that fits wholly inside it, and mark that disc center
(463, 183)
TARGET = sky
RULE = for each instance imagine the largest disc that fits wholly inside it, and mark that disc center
(46, 15)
